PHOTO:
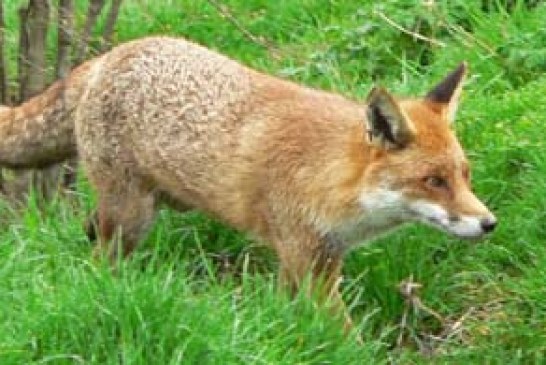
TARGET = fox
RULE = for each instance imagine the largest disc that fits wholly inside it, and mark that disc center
(310, 173)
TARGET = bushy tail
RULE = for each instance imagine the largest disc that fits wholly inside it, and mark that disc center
(40, 132)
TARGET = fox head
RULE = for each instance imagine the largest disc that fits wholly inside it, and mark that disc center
(419, 170)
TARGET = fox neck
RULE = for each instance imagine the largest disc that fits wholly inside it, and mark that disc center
(381, 212)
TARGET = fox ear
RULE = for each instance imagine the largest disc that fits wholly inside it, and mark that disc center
(387, 125)
(448, 92)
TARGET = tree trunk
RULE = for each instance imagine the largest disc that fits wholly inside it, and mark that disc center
(93, 11)
(109, 25)
(34, 20)
(34, 23)
(22, 57)
(66, 176)
(65, 33)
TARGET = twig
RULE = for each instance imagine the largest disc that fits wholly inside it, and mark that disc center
(456, 327)
(3, 73)
(408, 32)
(410, 291)
(403, 325)
(471, 37)
(226, 13)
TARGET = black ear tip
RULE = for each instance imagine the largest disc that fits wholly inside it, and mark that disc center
(445, 90)
(462, 68)
(458, 72)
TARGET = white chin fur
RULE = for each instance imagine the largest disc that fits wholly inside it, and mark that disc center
(382, 210)
(437, 216)
(466, 227)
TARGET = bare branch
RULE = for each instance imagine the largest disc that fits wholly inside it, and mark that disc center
(110, 23)
(22, 56)
(65, 176)
(415, 35)
(95, 7)
(65, 33)
(226, 13)
(3, 78)
(3, 74)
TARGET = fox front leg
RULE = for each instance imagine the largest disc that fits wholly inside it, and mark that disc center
(318, 259)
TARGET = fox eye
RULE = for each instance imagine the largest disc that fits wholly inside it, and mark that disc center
(436, 182)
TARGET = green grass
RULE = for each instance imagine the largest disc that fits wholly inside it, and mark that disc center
(197, 292)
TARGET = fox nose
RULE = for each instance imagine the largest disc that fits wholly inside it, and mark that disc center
(488, 224)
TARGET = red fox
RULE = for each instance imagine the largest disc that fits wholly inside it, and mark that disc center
(311, 173)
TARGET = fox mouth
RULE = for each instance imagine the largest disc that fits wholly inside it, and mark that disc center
(465, 227)
(462, 226)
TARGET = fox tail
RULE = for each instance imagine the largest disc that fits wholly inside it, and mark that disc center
(40, 132)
